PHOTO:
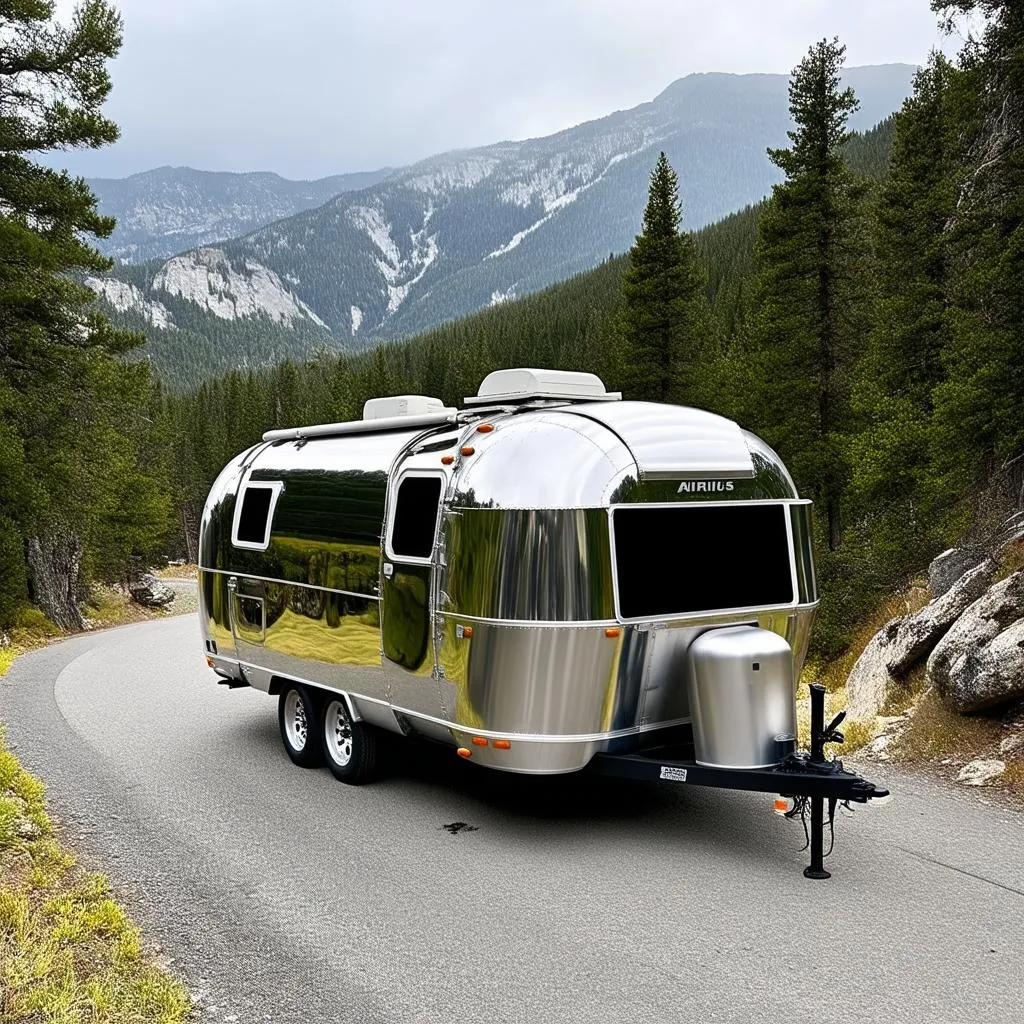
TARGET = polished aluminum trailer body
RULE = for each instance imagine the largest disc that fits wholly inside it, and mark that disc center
(515, 622)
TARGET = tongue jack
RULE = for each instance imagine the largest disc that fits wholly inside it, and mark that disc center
(820, 735)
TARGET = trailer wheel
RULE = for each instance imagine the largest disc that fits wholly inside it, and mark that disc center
(350, 748)
(299, 716)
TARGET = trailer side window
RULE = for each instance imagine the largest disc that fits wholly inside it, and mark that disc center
(415, 518)
(254, 512)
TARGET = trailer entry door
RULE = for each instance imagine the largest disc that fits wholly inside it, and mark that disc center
(682, 559)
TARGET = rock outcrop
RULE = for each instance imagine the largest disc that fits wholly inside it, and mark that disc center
(870, 678)
(950, 566)
(999, 607)
(988, 676)
(904, 642)
(977, 773)
(148, 591)
(918, 634)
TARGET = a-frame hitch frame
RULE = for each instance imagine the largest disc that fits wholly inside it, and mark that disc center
(808, 778)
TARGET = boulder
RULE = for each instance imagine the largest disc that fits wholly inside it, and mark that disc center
(918, 634)
(947, 568)
(148, 591)
(1000, 605)
(977, 773)
(869, 680)
(1012, 745)
(991, 675)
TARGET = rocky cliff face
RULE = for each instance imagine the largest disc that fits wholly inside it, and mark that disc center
(972, 635)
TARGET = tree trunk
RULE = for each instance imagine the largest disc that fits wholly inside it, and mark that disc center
(190, 531)
(53, 564)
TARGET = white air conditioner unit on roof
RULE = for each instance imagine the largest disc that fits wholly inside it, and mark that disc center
(522, 385)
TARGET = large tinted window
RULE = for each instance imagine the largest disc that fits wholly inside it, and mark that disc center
(412, 533)
(694, 558)
(252, 520)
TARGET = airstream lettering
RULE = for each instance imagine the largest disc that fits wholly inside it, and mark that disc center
(548, 579)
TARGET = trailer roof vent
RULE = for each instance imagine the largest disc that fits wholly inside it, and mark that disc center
(524, 385)
(402, 405)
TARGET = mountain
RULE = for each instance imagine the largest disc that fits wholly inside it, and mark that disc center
(169, 209)
(469, 229)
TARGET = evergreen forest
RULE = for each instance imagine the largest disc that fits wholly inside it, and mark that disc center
(866, 319)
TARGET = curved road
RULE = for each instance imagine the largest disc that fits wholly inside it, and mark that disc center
(283, 895)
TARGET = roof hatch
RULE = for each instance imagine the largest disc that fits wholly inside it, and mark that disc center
(524, 385)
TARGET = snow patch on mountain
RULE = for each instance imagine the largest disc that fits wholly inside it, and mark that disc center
(125, 297)
(209, 279)
(498, 296)
(450, 177)
(357, 319)
(400, 272)
(558, 182)
(370, 220)
(555, 195)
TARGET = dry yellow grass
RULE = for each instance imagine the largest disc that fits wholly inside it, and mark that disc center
(68, 952)
(184, 571)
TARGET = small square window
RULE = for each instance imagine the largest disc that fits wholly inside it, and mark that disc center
(254, 514)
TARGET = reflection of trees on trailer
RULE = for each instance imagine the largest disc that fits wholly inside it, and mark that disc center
(548, 579)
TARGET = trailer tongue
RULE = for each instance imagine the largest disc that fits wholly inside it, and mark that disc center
(809, 778)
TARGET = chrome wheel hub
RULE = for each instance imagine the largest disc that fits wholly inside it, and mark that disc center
(338, 733)
(295, 724)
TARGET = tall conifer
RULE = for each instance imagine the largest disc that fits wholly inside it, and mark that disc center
(664, 319)
(807, 328)
(902, 366)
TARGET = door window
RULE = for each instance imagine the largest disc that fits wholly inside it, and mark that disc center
(254, 513)
(414, 520)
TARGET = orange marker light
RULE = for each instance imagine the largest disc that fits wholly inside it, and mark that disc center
(467, 450)
(479, 741)
(485, 428)
(464, 752)
(447, 460)
(503, 744)
(467, 632)
(782, 805)
(612, 632)
(209, 662)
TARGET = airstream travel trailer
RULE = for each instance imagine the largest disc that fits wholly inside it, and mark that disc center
(547, 579)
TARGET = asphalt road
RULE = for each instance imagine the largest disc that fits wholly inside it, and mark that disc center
(282, 895)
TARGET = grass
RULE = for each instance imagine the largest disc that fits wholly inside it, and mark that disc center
(108, 607)
(182, 571)
(68, 952)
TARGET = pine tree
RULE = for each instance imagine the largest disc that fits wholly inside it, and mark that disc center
(979, 407)
(902, 366)
(73, 420)
(806, 332)
(664, 320)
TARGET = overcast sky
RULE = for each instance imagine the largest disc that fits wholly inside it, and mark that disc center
(314, 87)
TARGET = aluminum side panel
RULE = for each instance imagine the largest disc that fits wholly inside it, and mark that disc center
(520, 679)
(550, 564)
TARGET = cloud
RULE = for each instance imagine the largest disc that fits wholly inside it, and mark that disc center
(320, 86)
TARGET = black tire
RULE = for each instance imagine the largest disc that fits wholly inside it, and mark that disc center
(299, 715)
(349, 747)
